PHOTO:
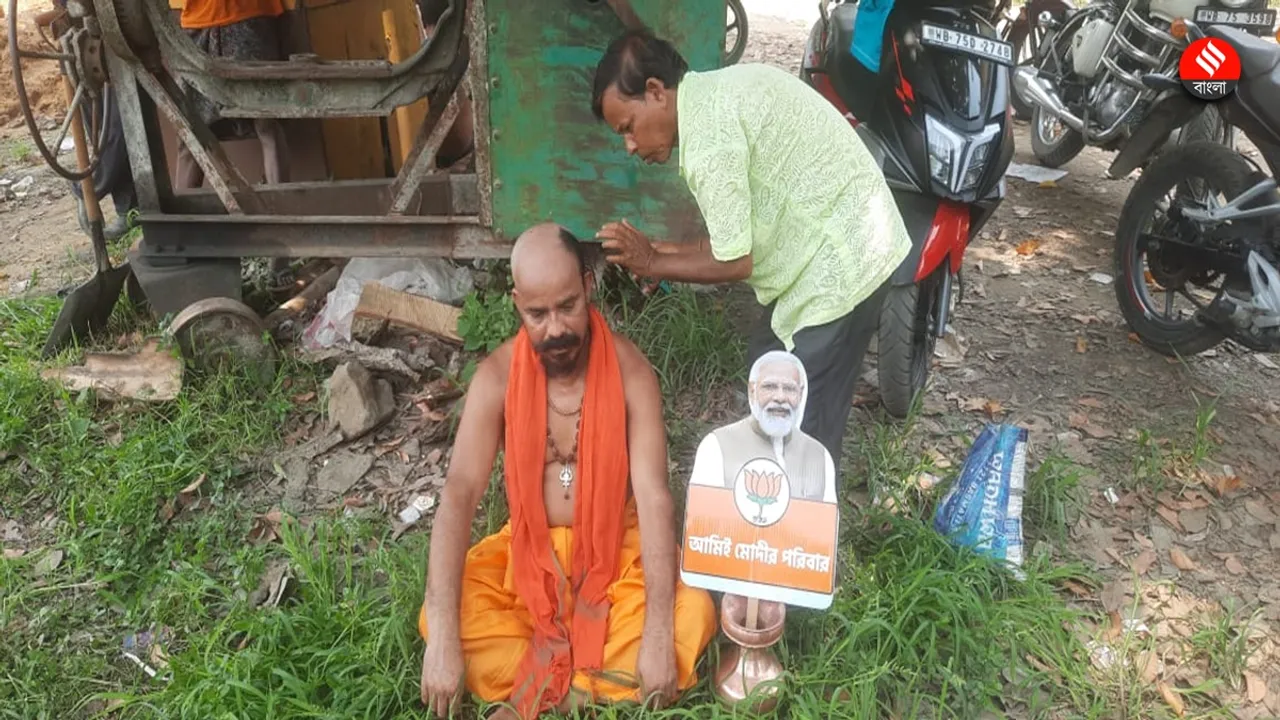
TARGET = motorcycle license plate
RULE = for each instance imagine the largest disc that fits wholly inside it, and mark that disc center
(976, 45)
(1264, 19)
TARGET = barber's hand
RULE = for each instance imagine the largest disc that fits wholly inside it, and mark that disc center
(626, 246)
(442, 666)
(656, 668)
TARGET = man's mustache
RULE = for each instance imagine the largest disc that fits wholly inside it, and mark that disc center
(782, 407)
(559, 342)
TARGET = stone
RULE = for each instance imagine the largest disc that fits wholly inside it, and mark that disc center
(342, 471)
(357, 402)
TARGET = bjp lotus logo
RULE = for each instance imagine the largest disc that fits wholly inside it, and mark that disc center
(762, 492)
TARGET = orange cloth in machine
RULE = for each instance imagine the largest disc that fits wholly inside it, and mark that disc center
(497, 629)
(198, 14)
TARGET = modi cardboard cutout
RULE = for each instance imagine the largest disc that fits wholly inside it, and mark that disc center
(761, 518)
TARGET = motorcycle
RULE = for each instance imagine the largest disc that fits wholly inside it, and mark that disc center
(1087, 87)
(936, 118)
(1026, 31)
(1203, 223)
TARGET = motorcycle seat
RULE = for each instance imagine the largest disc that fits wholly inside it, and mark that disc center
(1257, 56)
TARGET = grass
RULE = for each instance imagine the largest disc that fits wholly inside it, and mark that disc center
(1227, 644)
(919, 628)
(1157, 460)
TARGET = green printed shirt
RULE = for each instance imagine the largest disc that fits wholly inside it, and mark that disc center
(779, 174)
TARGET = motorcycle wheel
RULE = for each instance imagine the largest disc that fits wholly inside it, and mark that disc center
(1211, 174)
(905, 342)
(733, 53)
(1053, 143)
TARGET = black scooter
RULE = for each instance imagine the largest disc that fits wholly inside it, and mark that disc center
(936, 117)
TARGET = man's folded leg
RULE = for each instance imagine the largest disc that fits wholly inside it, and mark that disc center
(494, 625)
(695, 624)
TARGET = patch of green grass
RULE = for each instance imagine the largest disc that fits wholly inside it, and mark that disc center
(1053, 499)
(1227, 644)
(919, 628)
(89, 478)
(1157, 461)
(687, 338)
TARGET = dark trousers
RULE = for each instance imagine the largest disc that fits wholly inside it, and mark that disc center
(832, 357)
(113, 176)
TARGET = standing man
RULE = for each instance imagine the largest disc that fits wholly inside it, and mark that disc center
(112, 176)
(235, 30)
(794, 205)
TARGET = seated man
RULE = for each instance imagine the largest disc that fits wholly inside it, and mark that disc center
(777, 390)
(576, 599)
(243, 30)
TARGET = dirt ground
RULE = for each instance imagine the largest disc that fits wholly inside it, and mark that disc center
(1039, 342)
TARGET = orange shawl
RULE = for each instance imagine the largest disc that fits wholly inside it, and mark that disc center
(558, 648)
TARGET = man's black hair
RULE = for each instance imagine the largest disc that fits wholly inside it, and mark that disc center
(576, 248)
(631, 59)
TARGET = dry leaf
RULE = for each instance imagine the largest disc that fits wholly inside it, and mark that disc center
(194, 486)
(1255, 686)
(1082, 345)
(1115, 626)
(1180, 560)
(1171, 698)
(266, 527)
(1076, 588)
(13, 553)
(305, 397)
(972, 404)
(1143, 562)
(1148, 667)
(1224, 484)
(1113, 596)
(47, 564)
(1234, 566)
(1259, 511)
(1096, 432)
(1170, 517)
(1077, 420)
(1089, 402)
(1133, 338)
(992, 408)
(1027, 247)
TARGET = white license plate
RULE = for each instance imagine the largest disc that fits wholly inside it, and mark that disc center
(1265, 19)
(983, 47)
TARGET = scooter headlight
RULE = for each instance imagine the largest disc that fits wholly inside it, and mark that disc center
(956, 161)
(1235, 4)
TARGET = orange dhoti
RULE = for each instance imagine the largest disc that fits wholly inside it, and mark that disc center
(495, 625)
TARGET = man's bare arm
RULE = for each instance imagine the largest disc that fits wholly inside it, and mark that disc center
(647, 448)
(471, 464)
(693, 262)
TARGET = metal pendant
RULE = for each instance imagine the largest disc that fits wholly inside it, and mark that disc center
(566, 476)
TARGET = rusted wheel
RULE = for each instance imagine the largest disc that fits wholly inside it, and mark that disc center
(78, 51)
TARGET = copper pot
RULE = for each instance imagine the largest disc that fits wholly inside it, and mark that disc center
(746, 663)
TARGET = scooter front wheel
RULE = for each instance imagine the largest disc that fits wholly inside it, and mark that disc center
(906, 339)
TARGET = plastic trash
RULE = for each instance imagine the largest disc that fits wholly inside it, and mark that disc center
(435, 278)
(983, 510)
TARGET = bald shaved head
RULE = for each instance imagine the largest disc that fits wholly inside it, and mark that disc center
(553, 294)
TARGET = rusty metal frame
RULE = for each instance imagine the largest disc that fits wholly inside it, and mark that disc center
(478, 84)
(303, 86)
(422, 211)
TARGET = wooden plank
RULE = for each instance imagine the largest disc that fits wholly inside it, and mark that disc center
(377, 301)
(350, 31)
(402, 28)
